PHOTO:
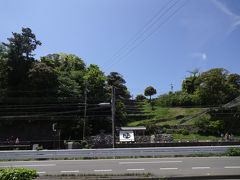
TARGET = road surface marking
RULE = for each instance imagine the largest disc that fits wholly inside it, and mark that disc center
(200, 167)
(103, 170)
(135, 169)
(168, 168)
(28, 165)
(43, 172)
(75, 171)
(150, 162)
(232, 167)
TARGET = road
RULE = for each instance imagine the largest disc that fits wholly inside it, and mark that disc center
(187, 166)
(117, 152)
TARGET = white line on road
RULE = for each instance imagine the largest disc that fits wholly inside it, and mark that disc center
(75, 171)
(42, 172)
(28, 165)
(103, 170)
(150, 162)
(200, 167)
(135, 169)
(168, 168)
(232, 167)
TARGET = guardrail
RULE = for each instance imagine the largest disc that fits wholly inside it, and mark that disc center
(108, 153)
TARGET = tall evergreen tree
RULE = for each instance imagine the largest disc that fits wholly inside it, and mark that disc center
(20, 58)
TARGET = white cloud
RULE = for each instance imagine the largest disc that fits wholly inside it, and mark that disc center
(235, 19)
(199, 55)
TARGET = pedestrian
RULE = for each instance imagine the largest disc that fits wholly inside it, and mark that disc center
(17, 141)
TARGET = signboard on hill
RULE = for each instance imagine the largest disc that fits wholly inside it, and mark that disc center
(126, 136)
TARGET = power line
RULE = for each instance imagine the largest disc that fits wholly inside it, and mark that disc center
(150, 34)
(14, 117)
(49, 105)
(141, 32)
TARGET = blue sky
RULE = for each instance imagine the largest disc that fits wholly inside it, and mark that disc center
(134, 37)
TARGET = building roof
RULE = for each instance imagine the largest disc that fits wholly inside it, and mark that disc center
(136, 128)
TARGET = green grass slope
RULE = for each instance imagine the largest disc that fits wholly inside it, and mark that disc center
(163, 115)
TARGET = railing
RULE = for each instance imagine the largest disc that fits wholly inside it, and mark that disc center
(109, 153)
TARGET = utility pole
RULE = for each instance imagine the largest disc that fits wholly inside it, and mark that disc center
(59, 139)
(171, 85)
(54, 135)
(85, 110)
(113, 116)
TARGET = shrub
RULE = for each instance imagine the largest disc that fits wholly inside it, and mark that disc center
(140, 97)
(164, 130)
(39, 148)
(151, 129)
(167, 126)
(179, 117)
(183, 132)
(17, 173)
(85, 144)
(233, 152)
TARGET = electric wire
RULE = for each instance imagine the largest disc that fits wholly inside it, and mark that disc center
(117, 60)
(140, 33)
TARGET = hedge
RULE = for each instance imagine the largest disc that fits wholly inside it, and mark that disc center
(17, 174)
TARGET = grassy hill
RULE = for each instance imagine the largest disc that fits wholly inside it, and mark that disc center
(178, 121)
(164, 115)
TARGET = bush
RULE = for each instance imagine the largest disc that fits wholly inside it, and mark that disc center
(151, 129)
(179, 117)
(167, 126)
(233, 152)
(183, 132)
(140, 97)
(18, 174)
(39, 148)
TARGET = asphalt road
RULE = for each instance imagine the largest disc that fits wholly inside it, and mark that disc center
(187, 166)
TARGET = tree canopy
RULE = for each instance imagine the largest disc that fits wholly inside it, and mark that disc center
(150, 91)
(115, 79)
(59, 80)
(211, 88)
(21, 45)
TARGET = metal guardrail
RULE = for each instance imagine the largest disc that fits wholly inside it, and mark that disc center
(108, 153)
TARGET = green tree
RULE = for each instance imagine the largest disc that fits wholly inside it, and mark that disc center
(122, 95)
(150, 91)
(3, 51)
(115, 79)
(233, 86)
(64, 62)
(234, 79)
(228, 118)
(19, 60)
(70, 70)
(21, 45)
(95, 82)
(214, 87)
(140, 97)
(3, 70)
(190, 84)
(121, 114)
(43, 80)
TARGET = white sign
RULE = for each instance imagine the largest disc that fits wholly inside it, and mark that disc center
(126, 136)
